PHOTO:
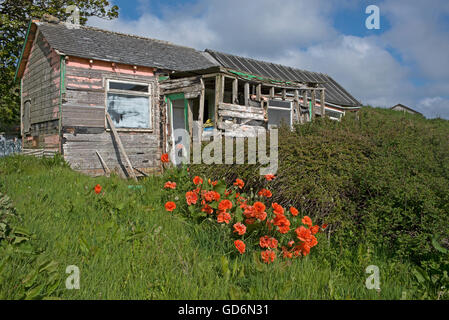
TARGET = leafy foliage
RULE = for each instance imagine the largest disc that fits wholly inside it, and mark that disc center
(381, 178)
(14, 18)
(433, 274)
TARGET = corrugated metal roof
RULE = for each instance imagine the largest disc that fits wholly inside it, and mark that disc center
(93, 43)
(335, 93)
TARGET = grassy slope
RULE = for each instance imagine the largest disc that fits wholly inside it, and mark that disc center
(182, 261)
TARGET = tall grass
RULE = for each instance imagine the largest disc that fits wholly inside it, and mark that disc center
(128, 247)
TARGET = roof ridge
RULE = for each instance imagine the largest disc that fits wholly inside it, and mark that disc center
(119, 33)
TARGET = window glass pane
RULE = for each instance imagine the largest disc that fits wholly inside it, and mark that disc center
(332, 113)
(128, 86)
(276, 116)
(279, 104)
(129, 111)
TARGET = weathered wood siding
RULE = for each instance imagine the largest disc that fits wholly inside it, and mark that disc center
(40, 86)
(84, 125)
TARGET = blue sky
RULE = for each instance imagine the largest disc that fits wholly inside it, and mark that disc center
(405, 61)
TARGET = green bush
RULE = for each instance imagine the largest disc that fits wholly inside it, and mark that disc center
(380, 178)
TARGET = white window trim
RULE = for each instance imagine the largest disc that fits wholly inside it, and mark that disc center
(148, 94)
(284, 109)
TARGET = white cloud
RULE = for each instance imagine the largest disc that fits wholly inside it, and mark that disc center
(420, 32)
(361, 65)
(434, 107)
(301, 34)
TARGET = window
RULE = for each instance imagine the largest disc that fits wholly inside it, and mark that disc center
(279, 111)
(334, 114)
(129, 104)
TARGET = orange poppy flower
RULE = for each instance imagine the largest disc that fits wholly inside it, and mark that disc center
(268, 256)
(249, 211)
(265, 193)
(164, 157)
(304, 248)
(312, 241)
(277, 209)
(170, 206)
(209, 195)
(307, 221)
(212, 183)
(287, 254)
(261, 215)
(294, 211)
(259, 206)
(223, 216)
(303, 234)
(267, 242)
(324, 226)
(97, 189)
(240, 228)
(197, 180)
(170, 185)
(270, 177)
(191, 197)
(239, 183)
(240, 245)
(263, 241)
(208, 209)
(282, 223)
(224, 205)
(291, 243)
(216, 195)
(250, 221)
(315, 229)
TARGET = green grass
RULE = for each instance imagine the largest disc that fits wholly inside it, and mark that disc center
(128, 247)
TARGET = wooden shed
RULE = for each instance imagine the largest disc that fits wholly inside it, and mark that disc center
(110, 101)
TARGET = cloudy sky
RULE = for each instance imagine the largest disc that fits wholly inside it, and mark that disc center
(405, 61)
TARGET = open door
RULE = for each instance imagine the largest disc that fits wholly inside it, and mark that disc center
(178, 110)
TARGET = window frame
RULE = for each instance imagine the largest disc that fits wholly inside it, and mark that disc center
(283, 109)
(148, 94)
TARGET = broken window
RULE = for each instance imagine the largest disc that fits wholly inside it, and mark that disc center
(279, 112)
(129, 104)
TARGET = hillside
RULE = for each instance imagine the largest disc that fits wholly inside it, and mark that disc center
(380, 183)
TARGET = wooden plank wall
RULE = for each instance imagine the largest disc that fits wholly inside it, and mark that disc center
(41, 86)
(85, 130)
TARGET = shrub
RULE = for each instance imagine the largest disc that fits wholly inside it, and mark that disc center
(380, 178)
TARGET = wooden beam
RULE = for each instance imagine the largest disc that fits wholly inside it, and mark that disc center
(272, 93)
(246, 94)
(258, 92)
(201, 110)
(296, 105)
(120, 145)
(284, 94)
(323, 103)
(217, 97)
(235, 89)
(103, 163)
(190, 117)
(306, 102)
(313, 94)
